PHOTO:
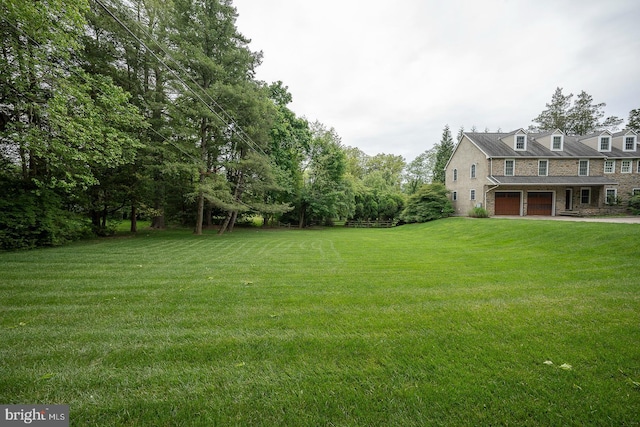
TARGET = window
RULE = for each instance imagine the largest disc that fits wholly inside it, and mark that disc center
(583, 168)
(557, 143)
(609, 166)
(543, 167)
(630, 143)
(605, 143)
(473, 194)
(455, 174)
(521, 142)
(635, 192)
(625, 167)
(585, 196)
(638, 170)
(473, 171)
(454, 196)
(611, 194)
(509, 167)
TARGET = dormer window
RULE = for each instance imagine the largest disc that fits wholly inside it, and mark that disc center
(605, 143)
(629, 143)
(557, 141)
(521, 143)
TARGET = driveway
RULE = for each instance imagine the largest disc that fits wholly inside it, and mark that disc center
(618, 219)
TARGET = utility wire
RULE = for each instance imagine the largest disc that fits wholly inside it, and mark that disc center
(229, 121)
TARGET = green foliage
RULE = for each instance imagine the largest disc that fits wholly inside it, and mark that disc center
(430, 202)
(444, 150)
(478, 213)
(420, 171)
(634, 204)
(580, 118)
(634, 120)
(32, 218)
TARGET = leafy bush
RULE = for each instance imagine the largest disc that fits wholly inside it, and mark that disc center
(430, 202)
(32, 218)
(478, 213)
(634, 204)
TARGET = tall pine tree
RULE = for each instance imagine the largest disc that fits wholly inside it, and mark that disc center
(443, 152)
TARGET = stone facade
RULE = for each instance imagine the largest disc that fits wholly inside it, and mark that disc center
(567, 180)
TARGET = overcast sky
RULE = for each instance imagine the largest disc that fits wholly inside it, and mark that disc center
(388, 76)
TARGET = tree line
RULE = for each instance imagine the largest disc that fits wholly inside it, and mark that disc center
(113, 109)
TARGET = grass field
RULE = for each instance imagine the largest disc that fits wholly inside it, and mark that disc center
(454, 322)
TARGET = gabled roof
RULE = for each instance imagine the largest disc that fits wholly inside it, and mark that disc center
(625, 132)
(492, 146)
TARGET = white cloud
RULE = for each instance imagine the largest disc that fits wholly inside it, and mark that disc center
(388, 76)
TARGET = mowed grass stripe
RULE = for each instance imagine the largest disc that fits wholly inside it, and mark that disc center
(443, 323)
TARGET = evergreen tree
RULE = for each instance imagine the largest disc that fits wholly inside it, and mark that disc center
(556, 116)
(634, 120)
(581, 118)
(444, 150)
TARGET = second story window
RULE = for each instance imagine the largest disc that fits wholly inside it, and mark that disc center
(543, 167)
(605, 143)
(473, 171)
(625, 167)
(455, 174)
(609, 166)
(630, 143)
(583, 168)
(509, 167)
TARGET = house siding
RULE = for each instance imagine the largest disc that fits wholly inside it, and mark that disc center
(490, 151)
(467, 154)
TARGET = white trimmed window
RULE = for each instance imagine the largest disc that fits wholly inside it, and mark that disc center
(557, 141)
(605, 143)
(625, 166)
(472, 194)
(521, 142)
(543, 167)
(638, 170)
(629, 143)
(454, 196)
(585, 196)
(455, 174)
(583, 168)
(509, 167)
(611, 194)
(473, 171)
(609, 166)
(635, 192)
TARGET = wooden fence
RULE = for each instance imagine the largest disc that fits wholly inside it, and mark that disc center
(369, 224)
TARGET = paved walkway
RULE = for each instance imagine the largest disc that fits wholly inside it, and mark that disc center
(618, 219)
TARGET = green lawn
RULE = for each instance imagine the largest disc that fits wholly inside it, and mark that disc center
(453, 322)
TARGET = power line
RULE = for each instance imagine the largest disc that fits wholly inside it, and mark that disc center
(243, 136)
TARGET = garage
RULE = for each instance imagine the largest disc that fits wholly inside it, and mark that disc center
(508, 203)
(539, 203)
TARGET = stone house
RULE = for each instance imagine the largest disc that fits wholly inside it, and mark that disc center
(550, 173)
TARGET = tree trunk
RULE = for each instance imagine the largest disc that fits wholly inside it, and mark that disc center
(301, 223)
(134, 219)
(209, 214)
(200, 213)
(234, 216)
(225, 223)
(203, 176)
